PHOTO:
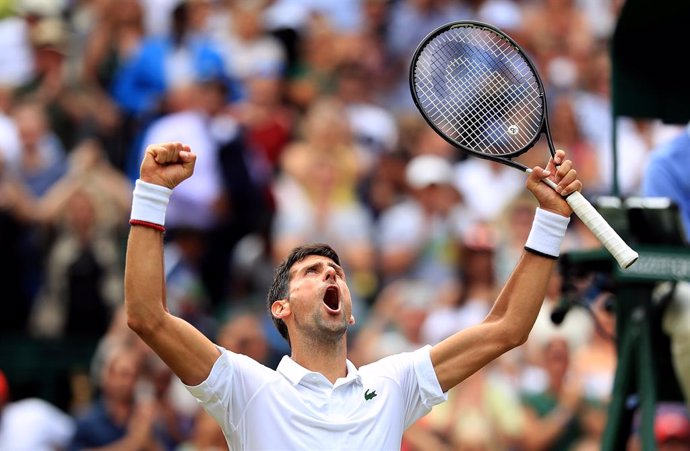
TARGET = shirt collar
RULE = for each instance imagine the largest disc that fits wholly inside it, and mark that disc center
(294, 372)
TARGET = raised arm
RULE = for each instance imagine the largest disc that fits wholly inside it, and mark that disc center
(188, 353)
(512, 316)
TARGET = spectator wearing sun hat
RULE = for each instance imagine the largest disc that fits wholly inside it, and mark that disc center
(419, 237)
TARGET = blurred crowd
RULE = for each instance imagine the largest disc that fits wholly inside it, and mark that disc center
(305, 131)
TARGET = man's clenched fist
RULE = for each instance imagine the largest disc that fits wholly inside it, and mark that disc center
(167, 164)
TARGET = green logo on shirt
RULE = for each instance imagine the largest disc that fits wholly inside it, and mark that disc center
(368, 396)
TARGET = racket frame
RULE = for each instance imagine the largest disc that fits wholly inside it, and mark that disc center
(579, 204)
(544, 125)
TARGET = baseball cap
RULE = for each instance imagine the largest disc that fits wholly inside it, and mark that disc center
(426, 170)
(4, 387)
(672, 422)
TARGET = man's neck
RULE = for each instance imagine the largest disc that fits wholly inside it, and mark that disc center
(329, 361)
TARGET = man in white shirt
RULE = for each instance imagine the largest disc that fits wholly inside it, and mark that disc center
(317, 399)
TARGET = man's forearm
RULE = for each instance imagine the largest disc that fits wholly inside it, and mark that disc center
(519, 302)
(144, 281)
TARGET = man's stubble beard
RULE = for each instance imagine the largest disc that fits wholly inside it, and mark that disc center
(324, 331)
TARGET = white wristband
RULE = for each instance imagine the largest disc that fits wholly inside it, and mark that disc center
(149, 202)
(548, 231)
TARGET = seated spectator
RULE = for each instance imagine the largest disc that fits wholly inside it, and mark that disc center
(419, 237)
(595, 362)
(117, 416)
(551, 414)
(32, 424)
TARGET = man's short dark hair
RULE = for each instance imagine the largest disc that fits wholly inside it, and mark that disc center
(281, 279)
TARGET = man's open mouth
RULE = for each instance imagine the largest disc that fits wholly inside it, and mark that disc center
(332, 298)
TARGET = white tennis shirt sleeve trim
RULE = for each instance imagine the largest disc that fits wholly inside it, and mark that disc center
(429, 386)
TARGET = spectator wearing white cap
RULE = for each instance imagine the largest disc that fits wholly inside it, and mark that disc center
(420, 236)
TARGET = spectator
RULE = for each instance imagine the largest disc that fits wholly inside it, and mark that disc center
(568, 134)
(487, 200)
(551, 414)
(42, 160)
(664, 177)
(31, 424)
(247, 49)
(184, 56)
(394, 323)
(192, 110)
(15, 49)
(268, 121)
(471, 301)
(312, 75)
(83, 280)
(410, 21)
(671, 428)
(594, 363)
(117, 417)
(374, 128)
(50, 84)
(18, 269)
(419, 237)
(113, 40)
(10, 145)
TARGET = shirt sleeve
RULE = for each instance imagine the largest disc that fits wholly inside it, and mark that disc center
(429, 387)
(232, 382)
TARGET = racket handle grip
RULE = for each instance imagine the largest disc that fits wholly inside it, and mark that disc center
(624, 255)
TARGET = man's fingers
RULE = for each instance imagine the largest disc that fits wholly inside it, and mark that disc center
(167, 153)
(566, 178)
(539, 173)
(186, 156)
(571, 187)
(556, 160)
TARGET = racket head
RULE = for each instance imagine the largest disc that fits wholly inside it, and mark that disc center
(476, 87)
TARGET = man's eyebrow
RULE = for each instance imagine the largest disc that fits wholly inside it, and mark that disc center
(317, 265)
(314, 265)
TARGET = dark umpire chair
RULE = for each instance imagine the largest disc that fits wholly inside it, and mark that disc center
(644, 375)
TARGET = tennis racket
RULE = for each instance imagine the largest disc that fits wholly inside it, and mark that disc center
(478, 90)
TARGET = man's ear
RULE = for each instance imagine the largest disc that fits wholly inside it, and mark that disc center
(280, 308)
(352, 320)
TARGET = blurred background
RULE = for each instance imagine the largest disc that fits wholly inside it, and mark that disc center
(305, 130)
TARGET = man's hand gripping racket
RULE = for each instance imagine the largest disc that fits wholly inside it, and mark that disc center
(478, 90)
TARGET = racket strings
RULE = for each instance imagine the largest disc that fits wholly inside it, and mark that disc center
(479, 90)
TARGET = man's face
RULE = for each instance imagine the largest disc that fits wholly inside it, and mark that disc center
(120, 378)
(319, 300)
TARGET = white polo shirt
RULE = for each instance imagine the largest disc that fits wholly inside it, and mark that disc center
(297, 409)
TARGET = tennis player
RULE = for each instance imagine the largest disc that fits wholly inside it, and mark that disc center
(317, 399)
